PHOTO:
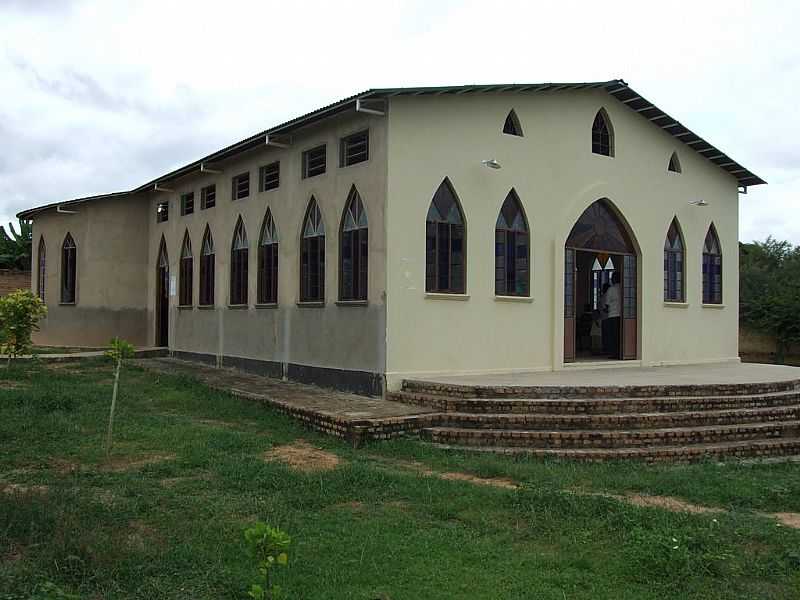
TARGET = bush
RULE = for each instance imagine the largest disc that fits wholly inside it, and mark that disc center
(20, 313)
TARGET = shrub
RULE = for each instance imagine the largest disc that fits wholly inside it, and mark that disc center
(20, 313)
(268, 546)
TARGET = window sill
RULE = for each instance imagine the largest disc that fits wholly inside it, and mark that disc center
(352, 303)
(307, 304)
(445, 296)
(238, 306)
(67, 303)
(523, 299)
(185, 307)
(718, 306)
(267, 305)
(206, 307)
(676, 304)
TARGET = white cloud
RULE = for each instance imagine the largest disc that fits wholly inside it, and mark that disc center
(106, 95)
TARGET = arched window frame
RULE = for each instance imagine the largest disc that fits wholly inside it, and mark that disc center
(312, 255)
(445, 243)
(674, 264)
(41, 272)
(602, 134)
(712, 267)
(674, 165)
(267, 276)
(512, 126)
(240, 254)
(353, 249)
(207, 257)
(69, 270)
(186, 272)
(512, 249)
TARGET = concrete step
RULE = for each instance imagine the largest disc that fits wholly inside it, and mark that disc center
(539, 421)
(591, 392)
(567, 406)
(766, 450)
(610, 438)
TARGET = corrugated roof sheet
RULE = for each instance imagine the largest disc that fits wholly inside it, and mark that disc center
(617, 88)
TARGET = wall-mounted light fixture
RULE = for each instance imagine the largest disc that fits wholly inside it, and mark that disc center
(491, 163)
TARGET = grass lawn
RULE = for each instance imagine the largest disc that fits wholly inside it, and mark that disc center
(164, 517)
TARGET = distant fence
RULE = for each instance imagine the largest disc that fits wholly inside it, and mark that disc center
(11, 281)
(755, 342)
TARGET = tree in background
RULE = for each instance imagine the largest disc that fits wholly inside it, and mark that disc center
(15, 248)
(769, 291)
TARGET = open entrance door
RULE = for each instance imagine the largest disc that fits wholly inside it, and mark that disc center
(600, 288)
(162, 297)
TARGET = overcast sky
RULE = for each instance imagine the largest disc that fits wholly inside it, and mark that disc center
(101, 96)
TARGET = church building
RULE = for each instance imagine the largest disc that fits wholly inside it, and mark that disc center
(411, 232)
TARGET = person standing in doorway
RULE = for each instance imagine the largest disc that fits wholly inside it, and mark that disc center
(612, 305)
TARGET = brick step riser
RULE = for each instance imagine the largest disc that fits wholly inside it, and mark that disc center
(624, 421)
(588, 407)
(589, 392)
(583, 439)
(656, 455)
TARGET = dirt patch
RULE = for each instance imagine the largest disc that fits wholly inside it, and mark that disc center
(63, 466)
(12, 385)
(354, 505)
(141, 535)
(19, 488)
(304, 457)
(171, 482)
(120, 464)
(787, 518)
(667, 503)
(498, 482)
(12, 554)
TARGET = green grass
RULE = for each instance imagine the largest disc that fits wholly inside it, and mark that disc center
(366, 530)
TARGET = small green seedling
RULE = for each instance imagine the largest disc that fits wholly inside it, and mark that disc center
(268, 546)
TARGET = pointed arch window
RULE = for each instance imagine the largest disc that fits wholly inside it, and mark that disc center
(511, 249)
(712, 268)
(207, 269)
(268, 262)
(674, 165)
(239, 259)
(312, 255)
(602, 134)
(354, 249)
(673, 264)
(186, 271)
(512, 125)
(69, 255)
(41, 269)
(445, 237)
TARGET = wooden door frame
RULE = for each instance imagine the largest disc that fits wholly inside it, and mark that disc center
(572, 329)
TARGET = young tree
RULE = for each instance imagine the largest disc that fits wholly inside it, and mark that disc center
(20, 313)
(119, 350)
(15, 248)
(769, 291)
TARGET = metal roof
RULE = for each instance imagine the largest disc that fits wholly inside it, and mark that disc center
(617, 88)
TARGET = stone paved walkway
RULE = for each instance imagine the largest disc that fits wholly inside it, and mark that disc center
(357, 418)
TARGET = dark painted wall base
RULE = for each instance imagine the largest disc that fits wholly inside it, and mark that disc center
(356, 382)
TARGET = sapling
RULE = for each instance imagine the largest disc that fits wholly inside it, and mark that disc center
(268, 546)
(118, 351)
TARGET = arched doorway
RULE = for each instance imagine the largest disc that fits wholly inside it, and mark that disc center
(600, 287)
(162, 296)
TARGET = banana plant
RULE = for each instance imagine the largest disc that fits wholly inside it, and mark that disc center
(15, 248)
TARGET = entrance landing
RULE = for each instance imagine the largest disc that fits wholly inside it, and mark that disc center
(714, 374)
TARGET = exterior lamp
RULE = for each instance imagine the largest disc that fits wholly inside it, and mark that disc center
(491, 163)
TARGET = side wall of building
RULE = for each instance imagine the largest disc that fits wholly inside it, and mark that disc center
(111, 246)
(335, 344)
(556, 177)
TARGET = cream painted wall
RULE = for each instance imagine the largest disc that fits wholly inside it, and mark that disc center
(556, 177)
(110, 237)
(334, 336)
